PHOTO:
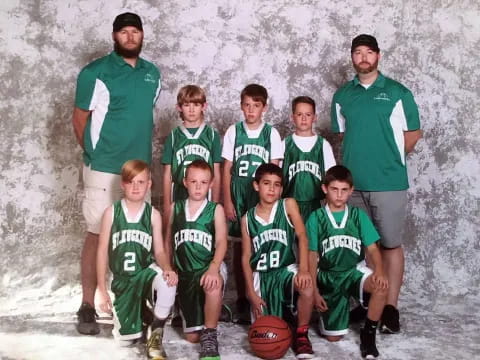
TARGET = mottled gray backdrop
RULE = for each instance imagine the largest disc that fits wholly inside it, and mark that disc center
(292, 47)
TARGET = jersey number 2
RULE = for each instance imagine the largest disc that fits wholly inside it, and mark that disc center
(274, 261)
(129, 262)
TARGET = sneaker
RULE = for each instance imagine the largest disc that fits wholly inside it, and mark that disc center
(243, 312)
(155, 349)
(87, 323)
(209, 345)
(368, 348)
(226, 314)
(390, 321)
(302, 347)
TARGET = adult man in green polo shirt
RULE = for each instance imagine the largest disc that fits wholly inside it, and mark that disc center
(379, 122)
(113, 123)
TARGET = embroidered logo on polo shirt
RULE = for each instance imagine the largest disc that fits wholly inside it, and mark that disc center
(149, 78)
(382, 96)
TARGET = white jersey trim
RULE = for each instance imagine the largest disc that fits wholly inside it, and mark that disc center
(332, 219)
(99, 106)
(273, 211)
(340, 118)
(189, 135)
(398, 122)
(197, 213)
(135, 219)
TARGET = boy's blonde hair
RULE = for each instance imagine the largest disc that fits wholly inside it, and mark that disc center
(191, 94)
(132, 168)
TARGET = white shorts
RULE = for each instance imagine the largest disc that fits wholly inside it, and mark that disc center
(100, 191)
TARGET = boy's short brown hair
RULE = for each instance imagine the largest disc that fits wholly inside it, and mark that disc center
(338, 173)
(266, 169)
(191, 94)
(256, 92)
(199, 164)
(303, 100)
(132, 168)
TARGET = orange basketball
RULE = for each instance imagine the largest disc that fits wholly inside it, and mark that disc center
(269, 337)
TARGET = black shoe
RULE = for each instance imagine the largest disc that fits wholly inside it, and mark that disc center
(243, 312)
(87, 324)
(368, 348)
(358, 314)
(390, 321)
(226, 314)
(209, 345)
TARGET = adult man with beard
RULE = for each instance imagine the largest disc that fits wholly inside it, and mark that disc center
(379, 122)
(113, 123)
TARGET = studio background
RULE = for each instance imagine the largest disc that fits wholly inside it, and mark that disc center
(292, 48)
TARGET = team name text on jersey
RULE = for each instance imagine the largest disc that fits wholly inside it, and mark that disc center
(196, 236)
(137, 236)
(341, 241)
(269, 235)
(192, 149)
(304, 165)
(251, 149)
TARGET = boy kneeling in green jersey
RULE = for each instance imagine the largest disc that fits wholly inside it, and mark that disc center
(131, 244)
(338, 236)
(272, 274)
(197, 231)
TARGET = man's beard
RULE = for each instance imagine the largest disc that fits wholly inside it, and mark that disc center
(127, 53)
(366, 70)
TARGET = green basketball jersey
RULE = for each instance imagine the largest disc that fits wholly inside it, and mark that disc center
(303, 171)
(130, 247)
(187, 147)
(272, 242)
(340, 245)
(193, 239)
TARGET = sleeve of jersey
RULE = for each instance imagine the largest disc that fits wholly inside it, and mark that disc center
(217, 148)
(410, 109)
(367, 230)
(229, 143)
(328, 158)
(277, 145)
(167, 151)
(86, 82)
(337, 121)
(312, 232)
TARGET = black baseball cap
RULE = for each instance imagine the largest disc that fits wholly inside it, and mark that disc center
(127, 19)
(365, 40)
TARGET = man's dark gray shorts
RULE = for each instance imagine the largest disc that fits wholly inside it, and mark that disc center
(387, 210)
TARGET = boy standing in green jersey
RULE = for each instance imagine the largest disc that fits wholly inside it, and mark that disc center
(246, 145)
(307, 157)
(190, 141)
(338, 236)
(197, 231)
(272, 273)
(131, 245)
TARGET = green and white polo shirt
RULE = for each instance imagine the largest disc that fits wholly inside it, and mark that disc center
(121, 98)
(373, 121)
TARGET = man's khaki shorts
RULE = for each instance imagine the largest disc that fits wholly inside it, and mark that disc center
(100, 191)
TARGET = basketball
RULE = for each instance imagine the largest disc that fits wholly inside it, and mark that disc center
(269, 337)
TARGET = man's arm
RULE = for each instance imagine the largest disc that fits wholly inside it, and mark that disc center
(227, 195)
(303, 276)
(211, 278)
(79, 121)
(102, 261)
(411, 139)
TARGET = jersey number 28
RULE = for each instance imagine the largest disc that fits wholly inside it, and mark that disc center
(273, 259)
